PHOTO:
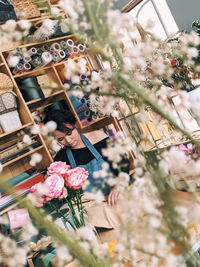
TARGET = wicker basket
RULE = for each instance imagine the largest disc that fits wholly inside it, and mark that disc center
(26, 9)
(6, 83)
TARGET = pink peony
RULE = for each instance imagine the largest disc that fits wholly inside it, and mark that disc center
(59, 168)
(64, 193)
(75, 178)
(187, 151)
(38, 197)
(55, 185)
(33, 188)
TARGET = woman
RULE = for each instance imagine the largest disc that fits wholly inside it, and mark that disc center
(82, 150)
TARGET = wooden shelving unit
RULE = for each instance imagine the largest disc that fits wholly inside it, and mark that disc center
(21, 163)
(15, 131)
(23, 156)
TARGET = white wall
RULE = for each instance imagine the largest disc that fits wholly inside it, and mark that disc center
(184, 12)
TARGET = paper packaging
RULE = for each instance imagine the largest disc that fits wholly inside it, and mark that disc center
(10, 121)
(46, 58)
(18, 218)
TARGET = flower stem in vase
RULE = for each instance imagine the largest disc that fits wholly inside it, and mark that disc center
(75, 219)
(79, 196)
(61, 213)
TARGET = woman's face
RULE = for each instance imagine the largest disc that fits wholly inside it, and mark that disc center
(70, 137)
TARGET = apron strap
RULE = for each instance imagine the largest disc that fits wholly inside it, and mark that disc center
(89, 145)
(91, 148)
(71, 158)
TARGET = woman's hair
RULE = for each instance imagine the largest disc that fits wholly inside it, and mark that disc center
(60, 117)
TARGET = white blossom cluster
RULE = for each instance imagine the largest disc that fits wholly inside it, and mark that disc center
(11, 255)
(180, 167)
(118, 148)
(143, 224)
(12, 30)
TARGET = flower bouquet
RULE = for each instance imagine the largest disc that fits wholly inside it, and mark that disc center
(62, 185)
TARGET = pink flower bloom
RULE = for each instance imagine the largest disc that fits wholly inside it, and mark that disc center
(33, 188)
(187, 151)
(40, 201)
(58, 167)
(55, 185)
(75, 178)
(38, 198)
(64, 193)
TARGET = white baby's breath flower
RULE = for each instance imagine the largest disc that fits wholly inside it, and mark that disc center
(24, 24)
(62, 256)
(86, 233)
(32, 163)
(154, 222)
(28, 231)
(42, 189)
(86, 184)
(97, 197)
(48, 24)
(9, 26)
(100, 174)
(123, 179)
(111, 181)
(105, 166)
(27, 139)
(85, 245)
(35, 158)
(51, 126)
(192, 52)
(77, 93)
(75, 79)
(12, 61)
(44, 130)
(64, 25)
(11, 255)
(55, 11)
(35, 129)
(55, 146)
(84, 26)
(32, 198)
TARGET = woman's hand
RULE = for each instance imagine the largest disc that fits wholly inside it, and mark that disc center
(113, 197)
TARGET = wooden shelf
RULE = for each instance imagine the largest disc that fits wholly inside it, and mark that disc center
(23, 156)
(99, 123)
(44, 42)
(41, 69)
(53, 70)
(43, 99)
(9, 208)
(93, 122)
(16, 130)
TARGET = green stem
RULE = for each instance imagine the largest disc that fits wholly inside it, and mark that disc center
(87, 259)
(62, 214)
(141, 93)
(75, 219)
(91, 19)
(81, 208)
(77, 202)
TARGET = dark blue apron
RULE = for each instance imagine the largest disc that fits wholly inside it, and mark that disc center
(92, 166)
